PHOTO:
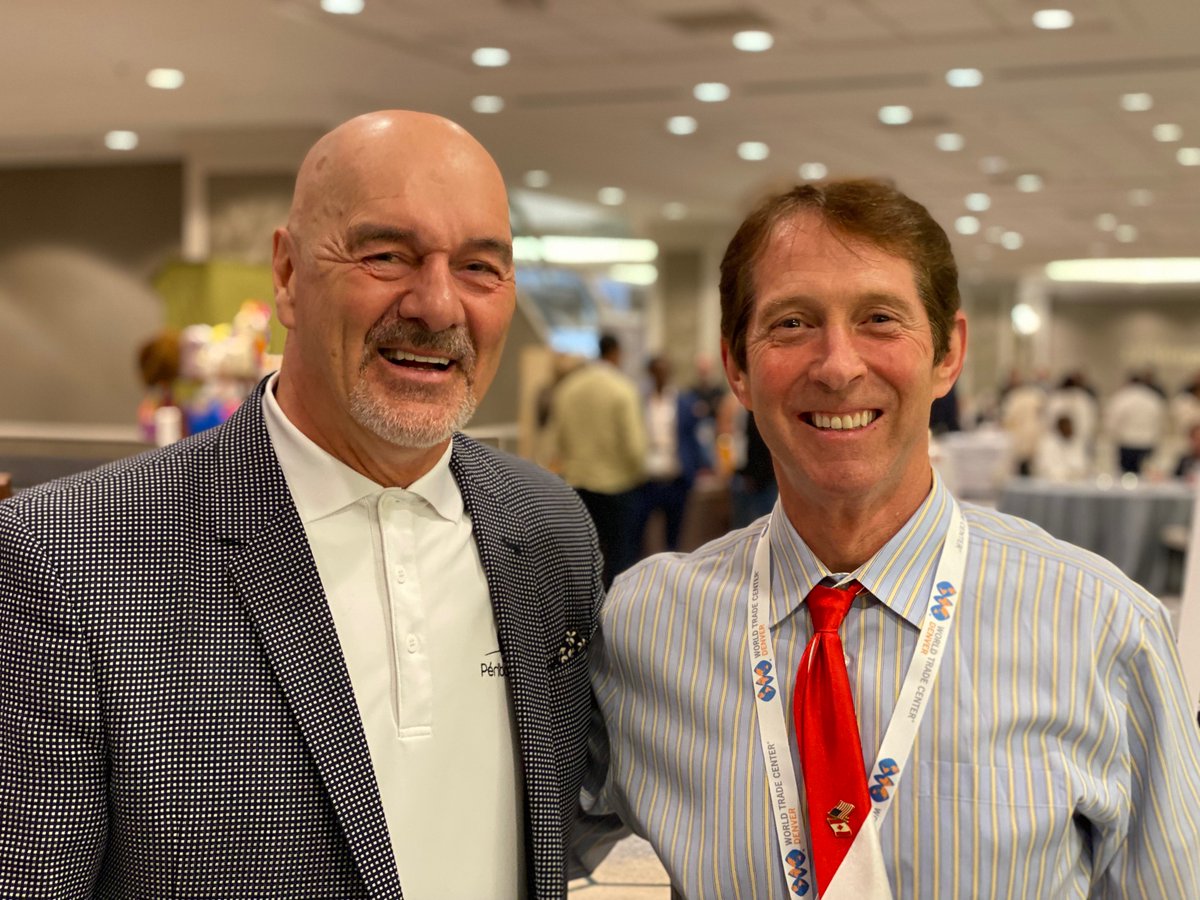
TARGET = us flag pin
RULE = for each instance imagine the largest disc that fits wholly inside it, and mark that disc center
(838, 818)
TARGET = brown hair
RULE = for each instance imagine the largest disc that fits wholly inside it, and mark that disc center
(867, 209)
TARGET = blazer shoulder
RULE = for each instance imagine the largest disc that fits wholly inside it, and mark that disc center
(510, 472)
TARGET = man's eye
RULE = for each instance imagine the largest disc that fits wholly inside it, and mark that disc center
(789, 322)
(485, 268)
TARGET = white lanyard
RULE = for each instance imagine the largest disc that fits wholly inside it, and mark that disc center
(884, 778)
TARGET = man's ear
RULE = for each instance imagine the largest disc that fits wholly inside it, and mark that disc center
(282, 269)
(946, 371)
(735, 375)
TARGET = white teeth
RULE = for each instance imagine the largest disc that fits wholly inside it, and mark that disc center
(398, 355)
(845, 422)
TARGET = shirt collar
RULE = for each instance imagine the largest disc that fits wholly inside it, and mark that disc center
(321, 484)
(898, 575)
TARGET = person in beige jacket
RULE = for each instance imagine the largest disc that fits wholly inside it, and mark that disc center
(598, 437)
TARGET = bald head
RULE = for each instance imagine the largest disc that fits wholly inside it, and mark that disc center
(366, 152)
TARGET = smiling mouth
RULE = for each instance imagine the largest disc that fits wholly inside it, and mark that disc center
(407, 360)
(841, 421)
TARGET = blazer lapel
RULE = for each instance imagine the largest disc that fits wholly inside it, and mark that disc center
(275, 576)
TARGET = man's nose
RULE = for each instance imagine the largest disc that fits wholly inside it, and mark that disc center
(839, 362)
(431, 296)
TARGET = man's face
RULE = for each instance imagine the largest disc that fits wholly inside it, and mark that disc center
(397, 292)
(839, 367)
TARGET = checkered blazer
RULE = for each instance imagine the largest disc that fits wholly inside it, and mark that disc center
(176, 719)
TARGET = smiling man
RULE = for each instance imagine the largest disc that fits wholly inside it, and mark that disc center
(876, 689)
(333, 646)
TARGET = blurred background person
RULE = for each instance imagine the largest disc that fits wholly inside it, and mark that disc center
(674, 453)
(1184, 413)
(1075, 398)
(1021, 414)
(1061, 453)
(944, 415)
(1135, 419)
(597, 435)
(752, 487)
(708, 392)
(1188, 467)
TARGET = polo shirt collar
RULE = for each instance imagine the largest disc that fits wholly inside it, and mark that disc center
(321, 484)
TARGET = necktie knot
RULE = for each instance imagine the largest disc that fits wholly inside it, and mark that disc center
(828, 605)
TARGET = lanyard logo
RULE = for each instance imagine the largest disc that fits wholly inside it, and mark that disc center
(798, 872)
(764, 679)
(884, 771)
(942, 602)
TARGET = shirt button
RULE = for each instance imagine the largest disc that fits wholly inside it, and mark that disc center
(401, 575)
(413, 643)
(849, 661)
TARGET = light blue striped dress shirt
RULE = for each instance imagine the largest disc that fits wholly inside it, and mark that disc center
(1058, 758)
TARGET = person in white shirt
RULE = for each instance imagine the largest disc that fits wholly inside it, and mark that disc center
(1135, 418)
(1061, 455)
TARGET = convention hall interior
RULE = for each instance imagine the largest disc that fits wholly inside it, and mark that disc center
(147, 151)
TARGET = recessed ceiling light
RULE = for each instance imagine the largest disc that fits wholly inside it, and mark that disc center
(895, 115)
(1139, 102)
(681, 125)
(812, 171)
(1167, 132)
(993, 165)
(491, 57)
(1188, 156)
(753, 151)
(1011, 240)
(537, 178)
(165, 79)
(674, 211)
(1126, 234)
(966, 225)
(121, 140)
(611, 196)
(1141, 197)
(1029, 183)
(343, 7)
(964, 78)
(753, 41)
(1053, 19)
(978, 202)
(1106, 221)
(487, 103)
(711, 92)
(949, 141)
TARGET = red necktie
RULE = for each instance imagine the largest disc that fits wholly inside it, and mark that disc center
(827, 735)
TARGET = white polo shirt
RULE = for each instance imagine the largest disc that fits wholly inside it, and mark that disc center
(410, 602)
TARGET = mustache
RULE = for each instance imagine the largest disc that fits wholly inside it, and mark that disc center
(453, 342)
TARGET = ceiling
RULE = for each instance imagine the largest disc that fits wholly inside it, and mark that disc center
(591, 84)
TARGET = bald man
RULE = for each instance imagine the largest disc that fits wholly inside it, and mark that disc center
(332, 646)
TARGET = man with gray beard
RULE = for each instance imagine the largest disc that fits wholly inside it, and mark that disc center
(332, 646)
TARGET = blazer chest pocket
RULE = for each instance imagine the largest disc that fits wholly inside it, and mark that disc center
(571, 650)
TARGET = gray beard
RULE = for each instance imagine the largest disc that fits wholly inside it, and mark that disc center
(389, 416)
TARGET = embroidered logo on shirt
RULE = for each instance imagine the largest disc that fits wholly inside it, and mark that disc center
(491, 669)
